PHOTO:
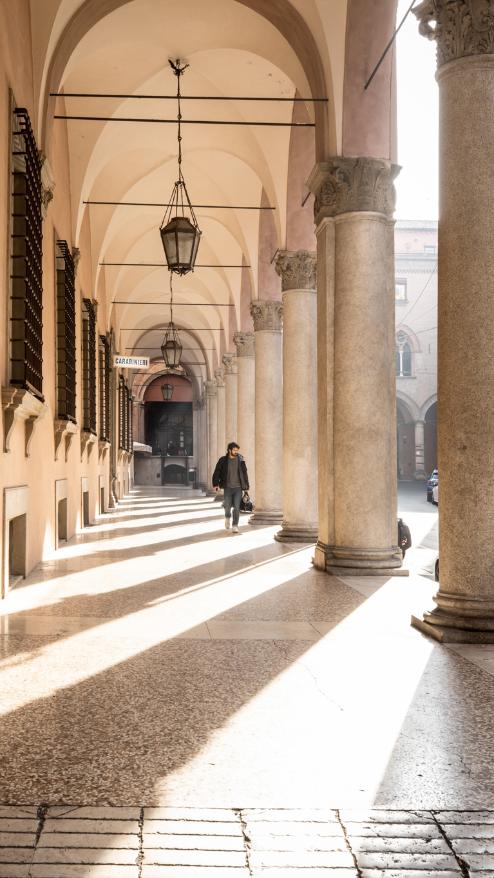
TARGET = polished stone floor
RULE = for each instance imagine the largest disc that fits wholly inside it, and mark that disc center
(158, 660)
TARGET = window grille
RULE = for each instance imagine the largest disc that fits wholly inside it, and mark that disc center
(26, 337)
(125, 416)
(104, 389)
(88, 366)
(66, 361)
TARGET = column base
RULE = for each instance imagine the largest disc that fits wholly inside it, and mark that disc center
(219, 497)
(343, 561)
(210, 493)
(266, 516)
(458, 619)
(294, 534)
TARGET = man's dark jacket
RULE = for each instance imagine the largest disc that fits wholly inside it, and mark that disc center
(221, 472)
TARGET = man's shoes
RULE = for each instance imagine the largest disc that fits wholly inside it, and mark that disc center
(228, 523)
(235, 529)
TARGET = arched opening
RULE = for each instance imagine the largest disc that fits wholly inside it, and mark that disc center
(430, 438)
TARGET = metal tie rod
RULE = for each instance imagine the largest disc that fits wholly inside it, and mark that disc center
(162, 329)
(162, 265)
(170, 204)
(187, 121)
(178, 304)
(74, 94)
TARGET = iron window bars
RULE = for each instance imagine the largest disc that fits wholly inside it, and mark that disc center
(124, 416)
(66, 359)
(104, 389)
(88, 366)
(26, 322)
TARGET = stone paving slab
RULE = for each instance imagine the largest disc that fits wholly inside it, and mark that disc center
(371, 844)
(194, 858)
(464, 816)
(302, 860)
(61, 824)
(191, 842)
(393, 830)
(17, 839)
(14, 870)
(371, 815)
(408, 873)
(297, 843)
(300, 829)
(191, 827)
(197, 872)
(87, 840)
(64, 870)
(114, 856)
(431, 862)
(220, 815)
(104, 813)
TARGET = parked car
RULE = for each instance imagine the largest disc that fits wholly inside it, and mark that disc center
(435, 494)
(431, 482)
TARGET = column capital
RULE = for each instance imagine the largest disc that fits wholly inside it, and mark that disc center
(349, 185)
(462, 27)
(229, 362)
(244, 342)
(267, 314)
(220, 378)
(297, 269)
(210, 388)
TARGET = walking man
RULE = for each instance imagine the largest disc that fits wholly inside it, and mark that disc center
(230, 474)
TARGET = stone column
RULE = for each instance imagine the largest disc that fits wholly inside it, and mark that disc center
(212, 431)
(199, 443)
(230, 364)
(204, 451)
(298, 282)
(464, 32)
(220, 406)
(246, 402)
(356, 380)
(267, 316)
(419, 450)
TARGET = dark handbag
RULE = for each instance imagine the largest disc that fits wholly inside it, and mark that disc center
(246, 504)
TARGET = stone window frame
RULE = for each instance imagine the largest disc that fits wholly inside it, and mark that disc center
(401, 282)
(403, 348)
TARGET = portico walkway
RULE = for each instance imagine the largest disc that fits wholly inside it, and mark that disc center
(159, 660)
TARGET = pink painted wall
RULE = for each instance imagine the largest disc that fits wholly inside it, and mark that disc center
(269, 284)
(182, 389)
(300, 234)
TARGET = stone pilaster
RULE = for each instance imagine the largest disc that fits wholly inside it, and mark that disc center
(211, 389)
(464, 32)
(298, 282)
(267, 317)
(220, 405)
(354, 200)
(230, 364)
(201, 444)
(246, 401)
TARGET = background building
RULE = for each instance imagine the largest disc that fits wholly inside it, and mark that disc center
(416, 346)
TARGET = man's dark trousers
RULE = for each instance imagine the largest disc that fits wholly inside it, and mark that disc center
(233, 497)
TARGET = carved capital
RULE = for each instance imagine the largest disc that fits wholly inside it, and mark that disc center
(76, 256)
(47, 184)
(230, 364)
(210, 388)
(245, 344)
(267, 314)
(220, 378)
(348, 185)
(461, 27)
(297, 269)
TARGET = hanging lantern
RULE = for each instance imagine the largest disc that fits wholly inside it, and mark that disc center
(167, 391)
(179, 230)
(171, 347)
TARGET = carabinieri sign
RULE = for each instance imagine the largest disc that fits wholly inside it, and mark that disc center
(130, 362)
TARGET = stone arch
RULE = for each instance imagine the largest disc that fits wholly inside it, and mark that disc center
(282, 15)
(369, 115)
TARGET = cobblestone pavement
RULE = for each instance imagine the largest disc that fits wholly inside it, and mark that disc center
(166, 842)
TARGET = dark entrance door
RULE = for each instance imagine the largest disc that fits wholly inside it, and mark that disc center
(168, 428)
